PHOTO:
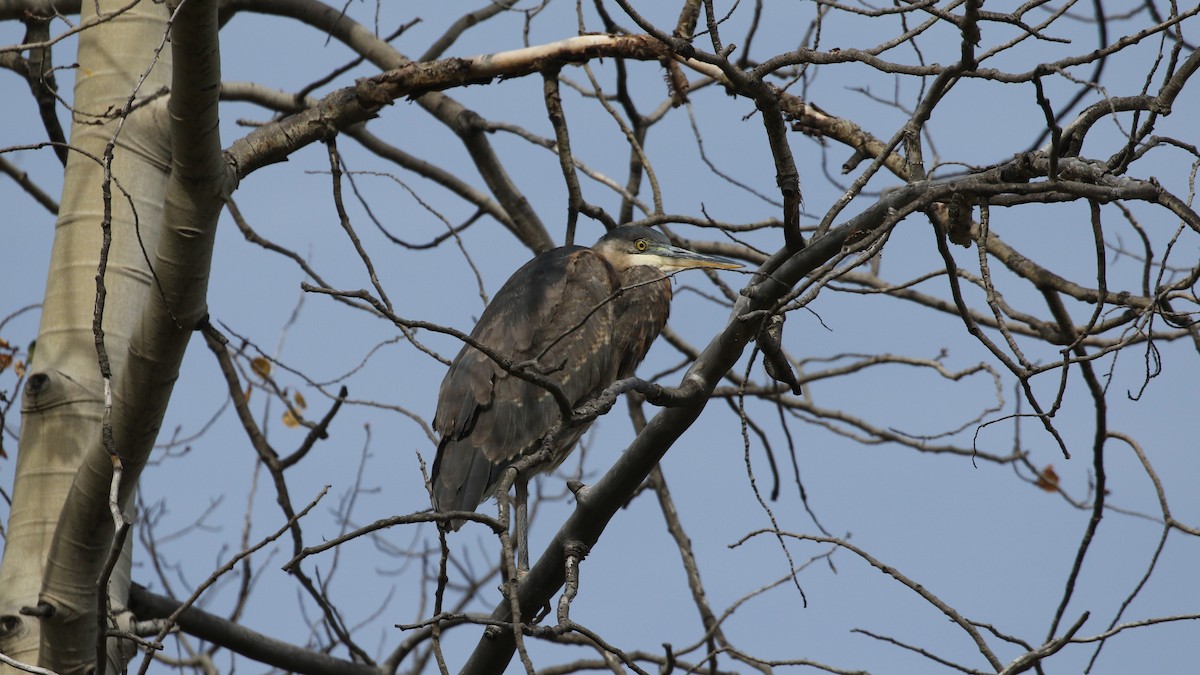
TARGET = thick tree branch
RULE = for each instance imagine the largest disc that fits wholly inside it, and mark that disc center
(466, 124)
(345, 107)
(251, 644)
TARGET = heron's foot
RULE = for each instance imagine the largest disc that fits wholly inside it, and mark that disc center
(508, 587)
(513, 582)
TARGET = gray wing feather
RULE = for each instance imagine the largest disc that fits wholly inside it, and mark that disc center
(489, 418)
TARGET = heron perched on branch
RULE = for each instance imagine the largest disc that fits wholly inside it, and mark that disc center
(580, 317)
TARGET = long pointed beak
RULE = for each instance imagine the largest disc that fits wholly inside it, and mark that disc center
(681, 258)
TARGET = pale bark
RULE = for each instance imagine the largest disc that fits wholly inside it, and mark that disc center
(172, 171)
(63, 401)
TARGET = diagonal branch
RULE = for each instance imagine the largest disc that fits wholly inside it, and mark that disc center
(597, 504)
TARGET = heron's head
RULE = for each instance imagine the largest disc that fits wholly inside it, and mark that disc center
(634, 245)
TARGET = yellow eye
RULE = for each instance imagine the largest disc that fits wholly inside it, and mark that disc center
(640, 245)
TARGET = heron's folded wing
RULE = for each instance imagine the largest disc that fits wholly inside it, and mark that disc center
(555, 310)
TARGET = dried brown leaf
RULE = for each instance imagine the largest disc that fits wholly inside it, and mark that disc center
(261, 366)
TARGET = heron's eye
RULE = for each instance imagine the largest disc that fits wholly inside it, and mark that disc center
(640, 245)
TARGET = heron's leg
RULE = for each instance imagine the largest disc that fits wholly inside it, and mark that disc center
(522, 505)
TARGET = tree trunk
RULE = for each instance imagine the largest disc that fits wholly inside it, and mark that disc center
(162, 203)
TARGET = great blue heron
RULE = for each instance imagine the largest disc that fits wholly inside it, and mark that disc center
(561, 310)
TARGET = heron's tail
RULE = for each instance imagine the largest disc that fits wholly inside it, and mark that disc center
(462, 477)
